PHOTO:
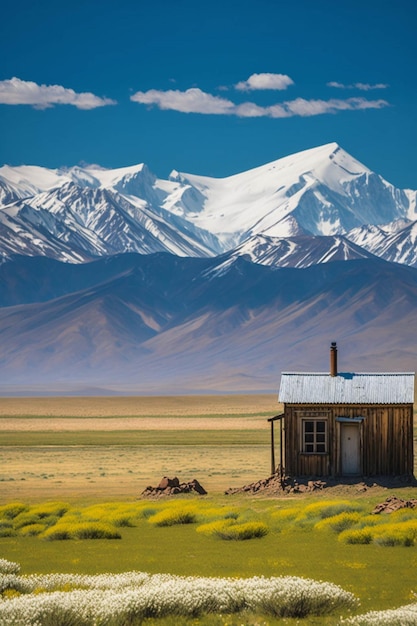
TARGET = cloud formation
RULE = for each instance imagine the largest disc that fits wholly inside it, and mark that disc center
(17, 91)
(197, 101)
(265, 81)
(360, 86)
(190, 101)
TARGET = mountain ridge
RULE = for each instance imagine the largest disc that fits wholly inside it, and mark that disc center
(154, 322)
(78, 214)
(119, 280)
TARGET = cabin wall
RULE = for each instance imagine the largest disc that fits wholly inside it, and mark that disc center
(386, 439)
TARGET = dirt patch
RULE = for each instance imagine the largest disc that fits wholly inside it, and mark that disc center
(276, 485)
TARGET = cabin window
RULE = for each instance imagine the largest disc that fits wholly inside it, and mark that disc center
(315, 436)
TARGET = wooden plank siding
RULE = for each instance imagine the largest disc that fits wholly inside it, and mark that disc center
(386, 439)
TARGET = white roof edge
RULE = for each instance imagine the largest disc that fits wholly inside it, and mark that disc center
(351, 373)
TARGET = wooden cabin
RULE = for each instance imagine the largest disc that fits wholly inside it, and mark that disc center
(345, 424)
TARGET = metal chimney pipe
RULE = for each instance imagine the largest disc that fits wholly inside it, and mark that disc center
(333, 359)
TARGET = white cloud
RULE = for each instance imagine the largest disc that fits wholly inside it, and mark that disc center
(191, 101)
(196, 101)
(308, 108)
(265, 81)
(16, 91)
(367, 86)
(360, 86)
(248, 109)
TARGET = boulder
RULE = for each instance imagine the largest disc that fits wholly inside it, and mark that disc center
(392, 504)
(172, 486)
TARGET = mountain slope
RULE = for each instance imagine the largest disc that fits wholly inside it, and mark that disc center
(146, 328)
(298, 251)
(322, 191)
(395, 242)
(119, 279)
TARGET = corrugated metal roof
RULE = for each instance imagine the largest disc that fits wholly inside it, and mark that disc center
(347, 388)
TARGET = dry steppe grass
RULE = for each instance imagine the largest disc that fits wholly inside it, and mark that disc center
(138, 406)
(112, 447)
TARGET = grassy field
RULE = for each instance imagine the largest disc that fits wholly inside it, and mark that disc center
(45, 456)
(142, 406)
(381, 577)
(116, 447)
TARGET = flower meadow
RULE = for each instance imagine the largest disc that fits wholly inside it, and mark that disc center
(335, 540)
(54, 521)
(128, 598)
(403, 616)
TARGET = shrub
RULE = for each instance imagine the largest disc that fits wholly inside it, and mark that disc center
(403, 616)
(285, 515)
(242, 532)
(120, 600)
(358, 535)
(147, 511)
(120, 519)
(6, 523)
(371, 520)
(47, 509)
(403, 515)
(25, 519)
(32, 530)
(383, 534)
(9, 567)
(327, 508)
(60, 532)
(211, 528)
(9, 511)
(12, 585)
(400, 534)
(95, 530)
(81, 530)
(181, 514)
(338, 523)
(214, 513)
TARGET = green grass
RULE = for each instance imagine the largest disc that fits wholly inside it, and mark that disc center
(382, 577)
(136, 438)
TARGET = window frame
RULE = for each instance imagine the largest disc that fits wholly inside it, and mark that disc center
(317, 438)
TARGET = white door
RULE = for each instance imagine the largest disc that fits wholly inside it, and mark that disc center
(350, 449)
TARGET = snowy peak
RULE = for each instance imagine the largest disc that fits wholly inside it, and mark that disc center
(30, 180)
(299, 252)
(395, 242)
(324, 190)
(319, 193)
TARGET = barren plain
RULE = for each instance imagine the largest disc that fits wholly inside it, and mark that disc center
(111, 447)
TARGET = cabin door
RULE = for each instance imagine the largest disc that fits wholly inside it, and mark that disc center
(350, 449)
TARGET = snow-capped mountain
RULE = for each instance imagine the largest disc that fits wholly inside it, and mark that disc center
(395, 242)
(298, 251)
(120, 279)
(99, 222)
(80, 213)
(323, 191)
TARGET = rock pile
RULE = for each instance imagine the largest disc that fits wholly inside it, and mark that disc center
(172, 486)
(276, 484)
(392, 504)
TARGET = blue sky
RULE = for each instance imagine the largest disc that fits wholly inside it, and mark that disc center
(208, 87)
